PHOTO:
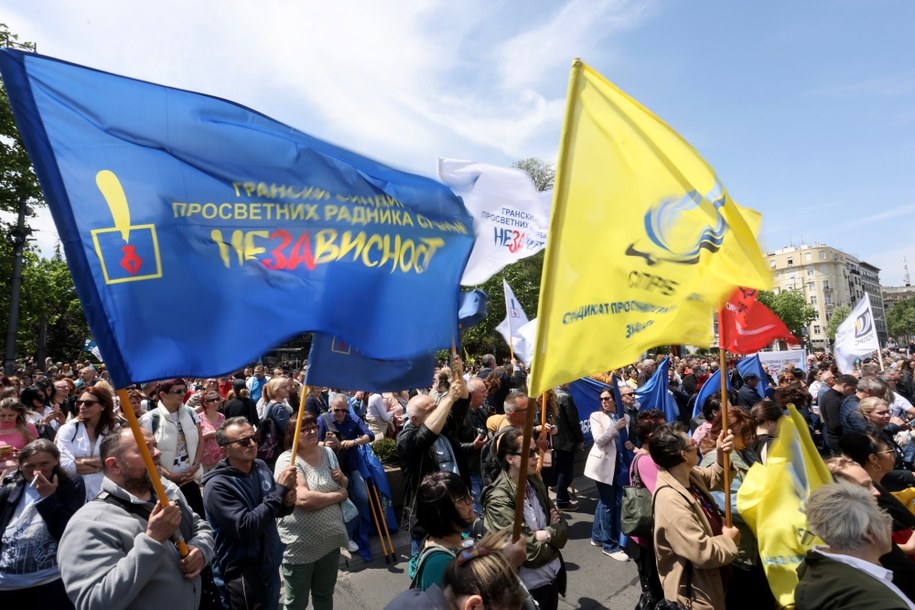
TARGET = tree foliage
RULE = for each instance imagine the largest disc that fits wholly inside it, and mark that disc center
(17, 178)
(900, 318)
(523, 277)
(792, 308)
(838, 316)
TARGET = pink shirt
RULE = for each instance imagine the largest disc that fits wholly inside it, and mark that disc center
(10, 435)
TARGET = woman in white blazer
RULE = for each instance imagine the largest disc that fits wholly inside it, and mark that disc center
(601, 467)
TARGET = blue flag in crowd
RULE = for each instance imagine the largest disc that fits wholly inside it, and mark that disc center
(711, 385)
(752, 365)
(656, 394)
(585, 393)
(336, 364)
(201, 233)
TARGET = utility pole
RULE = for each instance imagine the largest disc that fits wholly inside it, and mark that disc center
(19, 235)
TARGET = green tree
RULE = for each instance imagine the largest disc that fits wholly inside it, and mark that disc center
(900, 318)
(792, 308)
(17, 178)
(523, 277)
(838, 316)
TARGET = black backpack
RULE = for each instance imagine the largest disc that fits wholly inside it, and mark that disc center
(268, 449)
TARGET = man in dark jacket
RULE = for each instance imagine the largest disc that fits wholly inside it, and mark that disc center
(429, 442)
(567, 441)
(242, 503)
(747, 396)
(831, 409)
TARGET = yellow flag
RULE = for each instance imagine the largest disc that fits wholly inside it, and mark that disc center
(772, 501)
(644, 241)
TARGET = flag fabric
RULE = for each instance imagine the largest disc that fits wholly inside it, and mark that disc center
(473, 308)
(644, 241)
(334, 363)
(753, 365)
(201, 233)
(747, 326)
(528, 335)
(510, 215)
(656, 394)
(771, 501)
(585, 393)
(856, 337)
(91, 347)
(711, 385)
(510, 327)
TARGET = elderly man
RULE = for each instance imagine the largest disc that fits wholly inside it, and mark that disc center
(118, 551)
(341, 432)
(847, 574)
(428, 443)
(747, 396)
(243, 502)
(514, 413)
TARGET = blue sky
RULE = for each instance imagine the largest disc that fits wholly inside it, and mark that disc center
(805, 109)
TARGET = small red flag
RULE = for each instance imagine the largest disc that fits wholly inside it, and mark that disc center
(746, 325)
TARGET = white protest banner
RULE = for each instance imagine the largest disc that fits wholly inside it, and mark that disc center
(856, 337)
(774, 362)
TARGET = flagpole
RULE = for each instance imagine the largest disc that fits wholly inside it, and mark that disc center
(511, 335)
(725, 457)
(154, 476)
(543, 430)
(298, 422)
(880, 356)
(522, 475)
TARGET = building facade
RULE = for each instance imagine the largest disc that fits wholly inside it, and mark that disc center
(828, 279)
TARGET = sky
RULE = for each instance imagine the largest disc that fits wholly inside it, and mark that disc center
(806, 110)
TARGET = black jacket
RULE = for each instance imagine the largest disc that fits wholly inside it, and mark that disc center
(568, 436)
(826, 584)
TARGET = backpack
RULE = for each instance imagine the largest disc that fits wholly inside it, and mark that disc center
(268, 449)
(419, 561)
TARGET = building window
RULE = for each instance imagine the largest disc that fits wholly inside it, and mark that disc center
(816, 329)
(810, 271)
(822, 255)
(811, 286)
(772, 264)
(808, 257)
(790, 261)
(813, 299)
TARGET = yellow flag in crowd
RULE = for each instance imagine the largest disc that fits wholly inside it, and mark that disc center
(644, 242)
(772, 502)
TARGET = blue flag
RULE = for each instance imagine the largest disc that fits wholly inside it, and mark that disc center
(656, 394)
(335, 363)
(711, 385)
(201, 233)
(752, 365)
(585, 393)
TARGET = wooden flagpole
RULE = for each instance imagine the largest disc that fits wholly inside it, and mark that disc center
(154, 476)
(725, 457)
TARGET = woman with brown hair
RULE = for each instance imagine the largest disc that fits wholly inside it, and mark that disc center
(79, 439)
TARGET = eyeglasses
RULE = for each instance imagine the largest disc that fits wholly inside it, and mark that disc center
(85, 402)
(244, 441)
(340, 410)
(178, 391)
(626, 393)
(310, 429)
(889, 451)
(465, 499)
(606, 398)
(532, 453)
(211, 400)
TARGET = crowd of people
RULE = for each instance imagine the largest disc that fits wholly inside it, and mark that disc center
(262, 522)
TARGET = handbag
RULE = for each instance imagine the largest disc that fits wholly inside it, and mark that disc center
(349, 509)
(636, 518)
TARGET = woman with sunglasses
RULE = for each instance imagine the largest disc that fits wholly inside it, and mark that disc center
(315, 531)
(79, 439)
(543, 529)
(210, 420)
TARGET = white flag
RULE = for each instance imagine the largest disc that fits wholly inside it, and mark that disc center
(856, 336)
(510, 327)
(528, 334)
(510, 216)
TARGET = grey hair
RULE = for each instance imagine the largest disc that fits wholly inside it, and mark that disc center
(222, 438)
(872, 385)
(847, 518)
(339, 397)
(475, 384)
(511, 401)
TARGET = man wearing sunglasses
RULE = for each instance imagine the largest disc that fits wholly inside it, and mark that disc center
(242, 503)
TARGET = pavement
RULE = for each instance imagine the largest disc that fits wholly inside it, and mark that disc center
(595, 580)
